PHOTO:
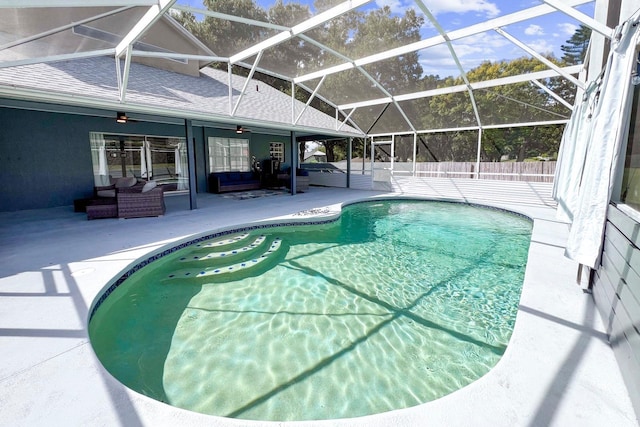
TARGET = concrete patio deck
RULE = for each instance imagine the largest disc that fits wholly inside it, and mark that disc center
(558, 368)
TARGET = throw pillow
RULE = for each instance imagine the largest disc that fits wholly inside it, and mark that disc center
(127, 181)
(149, 186)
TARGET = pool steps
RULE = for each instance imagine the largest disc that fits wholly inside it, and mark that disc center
(228, 254)
(223, 242)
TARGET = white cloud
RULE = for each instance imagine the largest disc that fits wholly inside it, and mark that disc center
(534, 30)
(484, 7)
(396, 6)
(541, 46)
(567, 29)
(486, 43)
(471, 51)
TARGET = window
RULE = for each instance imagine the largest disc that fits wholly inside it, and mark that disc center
(229, 154)
(276, 151)
(630, 194)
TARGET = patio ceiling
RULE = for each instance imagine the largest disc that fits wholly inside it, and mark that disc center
(357, 83)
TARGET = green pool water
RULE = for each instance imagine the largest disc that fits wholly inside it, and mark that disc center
(395, 304)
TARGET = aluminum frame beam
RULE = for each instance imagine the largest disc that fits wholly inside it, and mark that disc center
(61, 28)
(309, 24)
(174, 55)
(461, 88)
(54, 58)
(123, 79)
(125, 46)
(539, 57)
(246, 83)
(154, 13)
(552, 94)
(472, 128)
(368, 76)
(232, 18)
(21, 4)
(342, 123)
(313, 95)
(581, 17)
(452, 51)
(482, 27)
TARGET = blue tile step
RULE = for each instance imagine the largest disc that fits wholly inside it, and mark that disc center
(238, 266)
(226, 252)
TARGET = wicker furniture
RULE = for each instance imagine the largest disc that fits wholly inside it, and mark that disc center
(140, 200)
(219, 182)
(102, 210)
(135, 203)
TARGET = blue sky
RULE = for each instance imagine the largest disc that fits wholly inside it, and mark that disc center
(545, 34)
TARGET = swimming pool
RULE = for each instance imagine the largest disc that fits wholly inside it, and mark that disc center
(393, 304)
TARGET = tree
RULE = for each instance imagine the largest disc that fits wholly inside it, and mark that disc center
(576, 47)
(227, 37)
(359, 34)
(574, 53)
(288, 57)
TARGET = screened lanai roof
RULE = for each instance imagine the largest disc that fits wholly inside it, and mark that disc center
(383, 67)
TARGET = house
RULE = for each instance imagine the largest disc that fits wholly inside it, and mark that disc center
(69, 124)
(315, 157)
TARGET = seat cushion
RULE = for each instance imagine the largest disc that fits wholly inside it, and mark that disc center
(106, 193)
(127, 181)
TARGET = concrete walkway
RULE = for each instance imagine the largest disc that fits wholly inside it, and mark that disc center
(558, 368)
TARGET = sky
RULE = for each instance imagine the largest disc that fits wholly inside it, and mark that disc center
(545, 34)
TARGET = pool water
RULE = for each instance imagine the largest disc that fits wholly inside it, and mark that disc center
(395, 304)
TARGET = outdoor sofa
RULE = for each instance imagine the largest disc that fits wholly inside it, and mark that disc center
(220, 182)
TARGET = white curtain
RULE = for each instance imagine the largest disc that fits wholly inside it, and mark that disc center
(145, 161)
(182, 168)
(99, 159)
(178, 166)
(572, 155)
(603, 134)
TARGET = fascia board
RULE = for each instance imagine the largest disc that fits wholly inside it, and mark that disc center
(115, 105)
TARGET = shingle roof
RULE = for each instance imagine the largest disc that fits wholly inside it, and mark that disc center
(206, 95)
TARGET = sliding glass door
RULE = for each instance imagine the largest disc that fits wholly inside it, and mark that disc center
(157, 158)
